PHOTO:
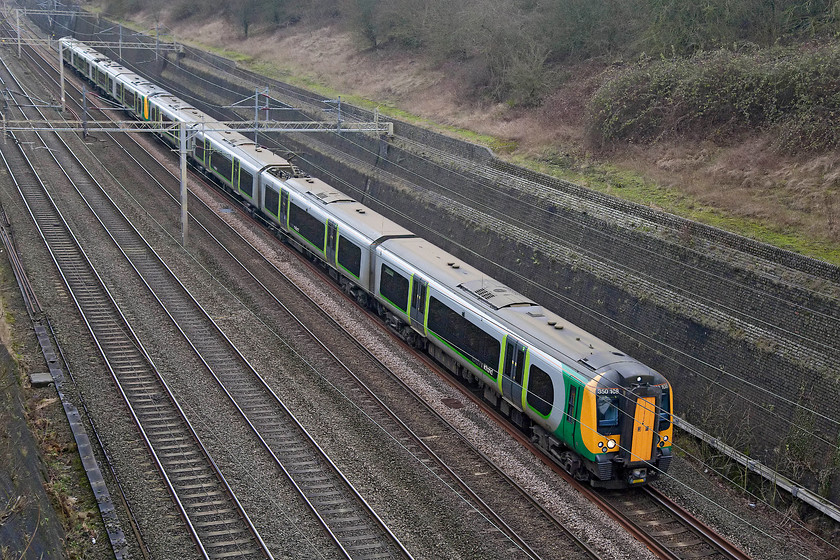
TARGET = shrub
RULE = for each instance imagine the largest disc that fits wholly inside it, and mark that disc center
(721, 93)
(123, 7)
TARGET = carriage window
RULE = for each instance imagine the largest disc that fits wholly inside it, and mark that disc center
(129, 99)
(349, 256)
(607, 413)
(201, 148)
(246, 182)
(540, 391)
(307, 225)
(570, 408)
(272, 201)
(470, 341)
(665, 410)
(166, 123)
(520, 366)
(222, 165)
(393, 286)
(419, 297)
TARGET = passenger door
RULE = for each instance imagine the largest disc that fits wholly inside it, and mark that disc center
(418, 303)
(332, 237)
(514, 371)
(570, 420)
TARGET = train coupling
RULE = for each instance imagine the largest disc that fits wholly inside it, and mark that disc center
(637, 476)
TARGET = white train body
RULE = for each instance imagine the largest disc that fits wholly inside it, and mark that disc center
(575, 392)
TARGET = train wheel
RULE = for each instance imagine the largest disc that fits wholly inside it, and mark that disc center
(572, 465)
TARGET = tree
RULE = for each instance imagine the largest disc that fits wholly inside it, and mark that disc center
(245, 12)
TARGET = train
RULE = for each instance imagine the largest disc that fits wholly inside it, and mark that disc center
(605, 417)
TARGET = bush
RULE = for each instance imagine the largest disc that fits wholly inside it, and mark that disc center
(122, 8)
(186, 10)
(721, 93)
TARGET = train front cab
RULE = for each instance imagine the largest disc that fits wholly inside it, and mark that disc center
(626, 421)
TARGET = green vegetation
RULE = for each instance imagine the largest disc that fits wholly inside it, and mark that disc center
(721, 93)
(630, 186)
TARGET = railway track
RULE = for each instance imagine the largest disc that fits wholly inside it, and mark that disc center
(329, 336)
(355, 528)
(671, 531)
(209, 509)
(666, 528)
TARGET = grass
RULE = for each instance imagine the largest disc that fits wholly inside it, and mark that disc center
(602, 177)
(238, 57)
(627, 185)
(267, 69)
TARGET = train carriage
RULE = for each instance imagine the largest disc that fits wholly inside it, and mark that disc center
(81, 57)
(574, 390)
(331, 227)
(357, 233)
(98, 69)
(136, 94)
(167, 111)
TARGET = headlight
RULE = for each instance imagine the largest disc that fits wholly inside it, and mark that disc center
(611, 444)
(665, 438)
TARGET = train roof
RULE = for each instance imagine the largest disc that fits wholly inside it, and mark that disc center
(355, 215)
(182, 110)
(81, 48)
(541, 328)
(223, 137)
(141, 85)
(113, 67)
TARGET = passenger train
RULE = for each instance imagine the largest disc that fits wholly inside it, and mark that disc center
(602, 415)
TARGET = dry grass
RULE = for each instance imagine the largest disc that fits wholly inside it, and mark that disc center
(749, 180)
